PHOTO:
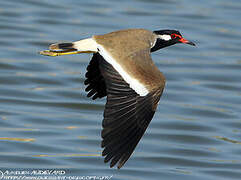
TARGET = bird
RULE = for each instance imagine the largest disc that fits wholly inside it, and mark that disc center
(122, 69)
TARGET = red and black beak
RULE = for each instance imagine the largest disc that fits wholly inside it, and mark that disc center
(182, 40)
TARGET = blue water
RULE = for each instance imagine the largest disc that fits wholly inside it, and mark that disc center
(47, 122)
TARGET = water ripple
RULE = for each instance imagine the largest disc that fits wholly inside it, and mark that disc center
(46, 120)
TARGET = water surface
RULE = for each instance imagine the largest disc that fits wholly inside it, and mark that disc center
(47, 122)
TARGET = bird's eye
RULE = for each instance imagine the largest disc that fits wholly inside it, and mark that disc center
(174, 36)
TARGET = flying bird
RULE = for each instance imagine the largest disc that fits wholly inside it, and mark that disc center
(121, 68)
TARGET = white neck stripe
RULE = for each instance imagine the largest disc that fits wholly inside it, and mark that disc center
(138, 87)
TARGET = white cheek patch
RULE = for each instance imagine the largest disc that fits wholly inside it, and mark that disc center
(165, 37)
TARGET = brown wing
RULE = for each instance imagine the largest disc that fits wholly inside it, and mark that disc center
(126, 115)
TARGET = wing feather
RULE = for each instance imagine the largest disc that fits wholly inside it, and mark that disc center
(126, 115)
(95, 82)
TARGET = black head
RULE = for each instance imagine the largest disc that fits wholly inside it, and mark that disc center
(167, 38)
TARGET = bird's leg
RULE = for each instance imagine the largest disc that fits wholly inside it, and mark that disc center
(60, 53)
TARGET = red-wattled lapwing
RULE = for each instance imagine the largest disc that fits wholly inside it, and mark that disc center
(122, 69)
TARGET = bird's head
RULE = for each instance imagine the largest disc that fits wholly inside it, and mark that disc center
(168, 37)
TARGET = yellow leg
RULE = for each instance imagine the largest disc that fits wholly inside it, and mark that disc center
(60, 53)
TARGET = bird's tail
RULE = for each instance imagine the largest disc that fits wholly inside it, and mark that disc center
(62, 46)
(82, 46)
